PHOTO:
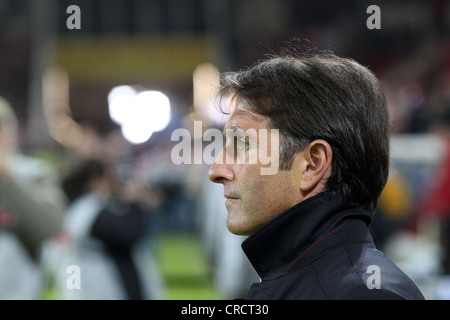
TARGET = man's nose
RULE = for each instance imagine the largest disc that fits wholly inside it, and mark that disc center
(220, 171)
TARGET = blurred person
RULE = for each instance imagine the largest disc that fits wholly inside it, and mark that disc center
(436, 202)
(394, 211)
(32, 205)
(104, 235)
(308, 222)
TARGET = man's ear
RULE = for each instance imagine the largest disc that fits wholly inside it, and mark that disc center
(317, 166)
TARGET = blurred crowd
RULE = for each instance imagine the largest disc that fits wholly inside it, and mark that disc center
(411, 222)
(92, 220)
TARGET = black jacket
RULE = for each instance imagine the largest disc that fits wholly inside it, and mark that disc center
(321, 249)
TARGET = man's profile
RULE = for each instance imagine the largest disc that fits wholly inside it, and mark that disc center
(307, 223)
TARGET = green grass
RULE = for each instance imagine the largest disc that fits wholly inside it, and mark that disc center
(183, 266)
(185, 269)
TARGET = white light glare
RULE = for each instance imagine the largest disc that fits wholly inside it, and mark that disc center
(119, 100)
(154, 107)
(138, 113)
(136, 134)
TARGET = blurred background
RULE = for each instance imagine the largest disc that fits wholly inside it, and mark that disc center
(96, 92)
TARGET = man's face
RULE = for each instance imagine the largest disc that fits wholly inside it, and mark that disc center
(252, 198)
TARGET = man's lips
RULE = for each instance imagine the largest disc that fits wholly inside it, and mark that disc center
(230, 197)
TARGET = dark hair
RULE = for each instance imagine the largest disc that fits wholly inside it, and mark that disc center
(323, 96)
(75, 183)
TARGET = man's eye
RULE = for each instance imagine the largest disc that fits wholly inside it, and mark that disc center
(241, 143)
(244, 142)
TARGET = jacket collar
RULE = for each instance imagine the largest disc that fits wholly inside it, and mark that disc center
(276, 245)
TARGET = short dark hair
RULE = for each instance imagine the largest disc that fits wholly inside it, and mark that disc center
(323, 96)
(76, 182)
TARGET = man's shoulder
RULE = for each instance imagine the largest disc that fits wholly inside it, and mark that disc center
(360, 271)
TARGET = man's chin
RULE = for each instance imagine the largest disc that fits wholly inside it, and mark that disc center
(238, 231)
(239, 228)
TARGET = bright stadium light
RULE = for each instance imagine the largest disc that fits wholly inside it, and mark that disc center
(136, 134)
(138, 113)
(154, 106)
(119, 100)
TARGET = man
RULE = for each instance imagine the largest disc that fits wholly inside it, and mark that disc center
(307, 222)
(32, 206)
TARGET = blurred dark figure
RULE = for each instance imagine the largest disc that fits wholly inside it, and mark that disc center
(105, 234)
(394, 210)
(436, 203)
(31, 209)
